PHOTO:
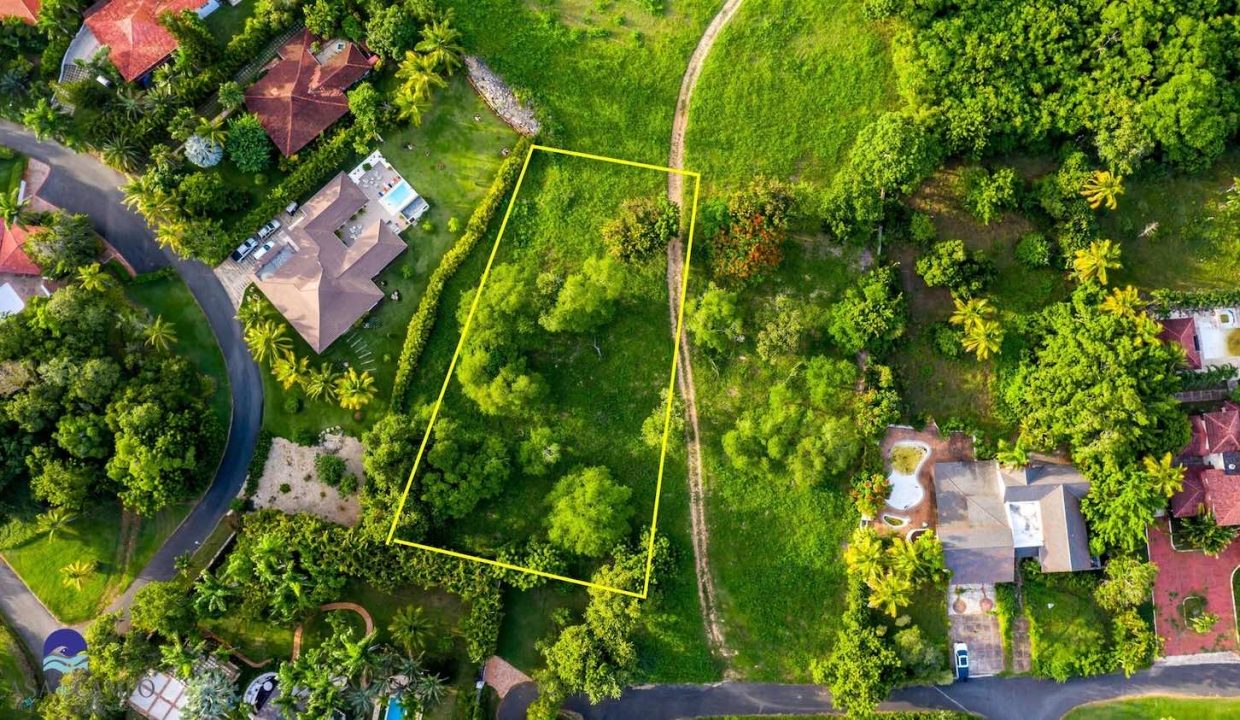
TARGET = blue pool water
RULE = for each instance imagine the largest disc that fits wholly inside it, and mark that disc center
(395, 710)
(398, 197)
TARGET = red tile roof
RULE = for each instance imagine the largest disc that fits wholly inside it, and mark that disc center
(12, 258)
(1192, 496)
(131, 30)
(1222, 496)
(298, 98)
(1183, 332)
(27, 10)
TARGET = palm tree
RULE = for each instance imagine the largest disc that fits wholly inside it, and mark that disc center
(1163, 476)
(1102, 188)
(429, 690)
(150, 200)
(1093, 262)
(132, 102)
(14, 210)
(289, 370)
(212, 131)
(355, 389)
(361, 700)
(54, 520)
(180, 658)
(418, 77)
(983, 339)
(160, 334)
(890, 592)
(972, 311)
(91, 277)
(320, 383)
(1148, 331)
(1012, 455)
(411, 629)
(121, 152)
(251, 311)
(211, 595)
(267, 340)
(440, 43)
(76, 572)
(904, 558)
(864, 554)
(1123, 302)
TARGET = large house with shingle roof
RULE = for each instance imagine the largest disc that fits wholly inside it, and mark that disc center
(25, 10)
(303, 91)
(1212, 467)
(989, 517)
(322, 278)
(131, 31)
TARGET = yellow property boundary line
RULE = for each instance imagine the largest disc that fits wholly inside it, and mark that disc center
(671, 385)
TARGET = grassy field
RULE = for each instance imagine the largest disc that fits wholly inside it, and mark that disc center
(453, 159)
(785, 90)
(1158, 708)
(96, 535)
(18, 680)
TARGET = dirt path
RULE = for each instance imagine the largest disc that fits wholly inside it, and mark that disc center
(707, 596)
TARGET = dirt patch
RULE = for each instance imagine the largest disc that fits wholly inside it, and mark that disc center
(292, 465)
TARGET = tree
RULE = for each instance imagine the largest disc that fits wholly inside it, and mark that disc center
(864, 554)
(209, 695)
(63, 246)
(440, 43)
(862, 667)
(64, 484)
(160, 607)
(320, 383)
(871, 314)
(1125, 302)
(1012, 456)
(211, 595)
(203, 151)
(539, 452)
(290, 370)
(467, 467)
(1128, 583)
(75, 573)
(971, 311)
(391, 31)
(195, 44)
(91, 277)
(1205, 534)
(588, 298)
(160, 334)
(231, 95)
(1102, 188)
(750, 243)
(641, 228)
(715, 319)
(920, 657)
(986, 193)
(268, 339)
(890, 592)
(323, 17)
(14, 210)
(55, 520)
(786, 328)
(983, 338)
(355, 390)
(370, 112)
(1136, 644)
(949, 265)
(1092, 264)
(248, 146)
(45, 120)
(659, 419)
(418, 76)
(411, 629)
(1163, 476)
(590, 512)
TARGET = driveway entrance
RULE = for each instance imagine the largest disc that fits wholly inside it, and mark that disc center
(969, 613)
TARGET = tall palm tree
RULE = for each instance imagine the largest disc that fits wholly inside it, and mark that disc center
(1163, 476)
(1093, 262)
(1123, 302)
(160, 334)
(91, 277)
(211, 595)
(890, 592)
(418, 78)
(289, 370)
(1149, 331)
(321, 382)
(121, 152)
(144, 195)
(440, 43)
(411, 629)
(355, 389)
(983, 339)
(361, 699)
(1102, 188)
(75, 573)
(267, 339)
(54, 520)
(904, 557)
(972, 311)
(864, 554)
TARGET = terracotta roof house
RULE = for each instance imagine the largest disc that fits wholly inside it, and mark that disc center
(13, 258)
(1212, 467)
(131, 31)
(990, 517)
(1208, 336)
(302, 93)
(322, 278)
(25, 10)
(1183, 332)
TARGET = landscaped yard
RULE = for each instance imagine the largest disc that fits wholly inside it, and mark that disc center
(11, 171)
(256, 639)
(452, 163)
(229, 20)
(1159, 708)
(17, 679)
(1067, 629)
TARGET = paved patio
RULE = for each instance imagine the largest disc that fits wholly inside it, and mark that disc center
(972, 622)
(1185, 573)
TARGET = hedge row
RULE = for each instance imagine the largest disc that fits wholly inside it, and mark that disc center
(1168, 300)
(423, 320)
(262, 448)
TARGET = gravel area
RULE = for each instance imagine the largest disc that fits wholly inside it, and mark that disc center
(501, 98)
(293, 464)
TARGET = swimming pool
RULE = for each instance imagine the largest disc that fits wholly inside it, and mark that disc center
(398, 197)
(395, 711)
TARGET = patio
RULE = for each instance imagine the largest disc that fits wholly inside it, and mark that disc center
(1190, 573)
(922, 514)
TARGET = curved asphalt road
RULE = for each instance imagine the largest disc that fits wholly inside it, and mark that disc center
(81, 184)
(996, 698)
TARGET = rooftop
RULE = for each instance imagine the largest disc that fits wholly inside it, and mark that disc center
(26, 10)
(131, 31)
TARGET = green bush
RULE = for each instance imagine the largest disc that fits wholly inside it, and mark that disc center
(921, 230)
(330, 469)
(1033, 250)
(423, 321)
(947, 340)
(262, 448)
(292, 404)
(348, 484)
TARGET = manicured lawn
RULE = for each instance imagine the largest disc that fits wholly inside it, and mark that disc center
(255, 639)
(785, 90)
(170, 298)
(94, 536)
(228, 20)
(256, 187)
(1156, 708)
(18, 680)
(527, 619)
(452, 163)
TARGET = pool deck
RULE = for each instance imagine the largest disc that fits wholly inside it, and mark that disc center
(955, 447)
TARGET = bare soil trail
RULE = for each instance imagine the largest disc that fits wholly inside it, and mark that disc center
(707, 596)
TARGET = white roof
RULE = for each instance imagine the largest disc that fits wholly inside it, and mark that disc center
(1026, 521)
(159, 696)
(10, 302)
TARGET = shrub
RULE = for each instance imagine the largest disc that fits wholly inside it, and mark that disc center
(292, 404)
(947, 340)
(643, 227)
(986, 194)
(869, 493)
(921, 230)
(1203, 623)
(262, 448)
(1204, 534)
(348, 484)
(949, 265)
(1033, 250)
(306, 436)
(285, 487)
(247, 144)
(330, 469)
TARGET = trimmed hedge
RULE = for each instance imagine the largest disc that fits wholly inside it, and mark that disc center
(423, 320)
(1168, 300)
(262, 448)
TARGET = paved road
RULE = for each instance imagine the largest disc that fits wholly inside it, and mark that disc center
(80, 184)
(996, 698)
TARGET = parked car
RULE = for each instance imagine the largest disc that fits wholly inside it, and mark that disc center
(291, 207)
(266, 230)
(266, 248)
(961, 652)
(245, 248)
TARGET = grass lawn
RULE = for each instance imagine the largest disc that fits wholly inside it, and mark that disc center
(256, 639)
(228, 20)
(464, 155)
(928, 611)
(170, 298)
(96, 535)
(18, 680)
(1156, 708)
(785, 90)
(11, 171)
(1063, 618)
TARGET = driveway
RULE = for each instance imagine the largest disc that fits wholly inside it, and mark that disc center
(81, 184)
(972, 622)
